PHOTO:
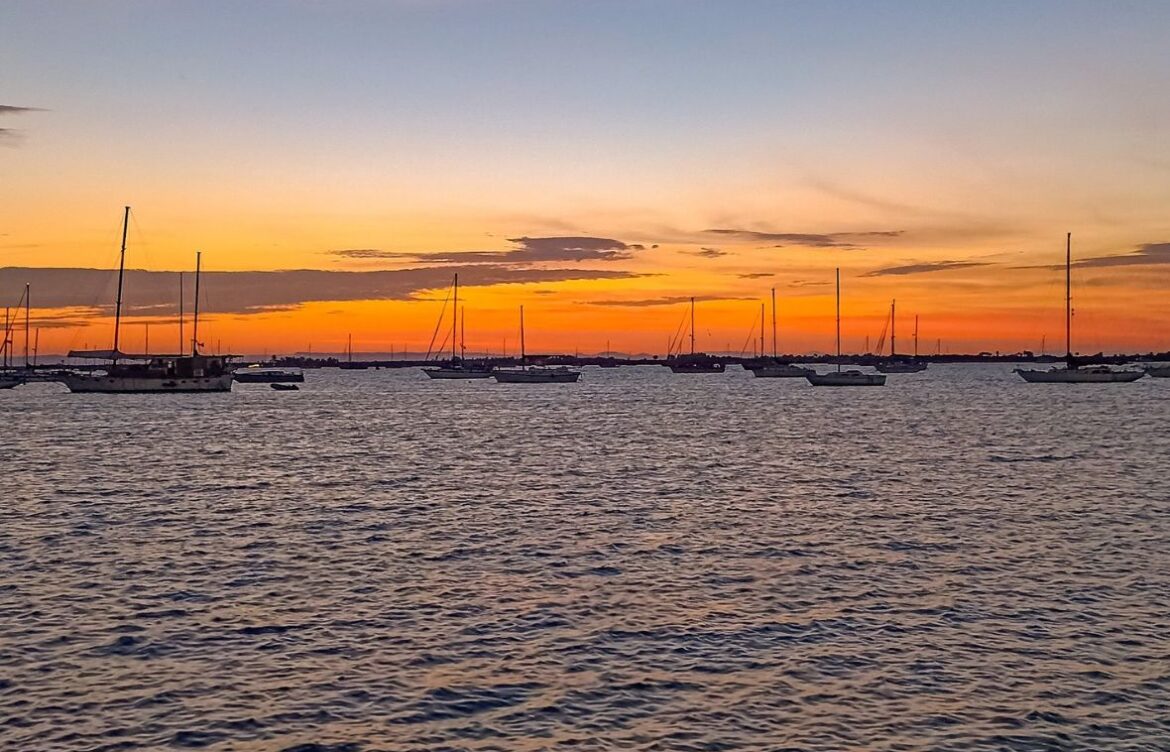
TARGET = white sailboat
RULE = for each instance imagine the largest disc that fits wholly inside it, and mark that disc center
(773, 368)
(458, 367)
(147, 373)
(839, 377)
(526, 374)
(1072, 373)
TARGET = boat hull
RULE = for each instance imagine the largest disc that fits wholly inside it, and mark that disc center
(269, 378)
(901, 367)
(780, 372)
(456, 373)
(1160, 372)
(1078, 376)
(8, 380)
(101, 384)
(533, 376)
(846, 378)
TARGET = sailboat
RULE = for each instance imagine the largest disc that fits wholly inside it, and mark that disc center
(9, 376)
(458, 367)
(348, 364)
(839, 377)
(526, 374)
(1072, 373)
(694, 362)
(150, 373)
(896, 363)
(773, 368)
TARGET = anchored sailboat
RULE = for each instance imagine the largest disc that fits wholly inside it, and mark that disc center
(526, 374)
(694, 362)
(150, 373)
(1073, 373)
(839, 377)
(348, 364)
(773, 367)
(896, 363)
(458, 367)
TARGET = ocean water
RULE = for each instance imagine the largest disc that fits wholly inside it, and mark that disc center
(640, 561)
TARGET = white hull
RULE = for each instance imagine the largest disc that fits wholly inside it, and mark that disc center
(103, 384)
(456, 373)
(846, 378)
(781, 372)
(537, 376)
(1079, 376)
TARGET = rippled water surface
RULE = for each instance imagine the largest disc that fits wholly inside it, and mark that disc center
(958, 561)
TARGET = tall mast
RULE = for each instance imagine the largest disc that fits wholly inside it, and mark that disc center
(1068, 299)
(454, 317)
(7, 336)
(182, 344)
(463, 332)
(146, 344)
(27, 310)
(761, 330)
(773, 322)
(349, 348)
(838, 319)
(195, 317)
(692, 326)
(892, 304)
(36, 344)
(522, 352)
(121, 275)
(916, 335)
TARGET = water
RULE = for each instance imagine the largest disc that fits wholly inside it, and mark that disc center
(958, 561)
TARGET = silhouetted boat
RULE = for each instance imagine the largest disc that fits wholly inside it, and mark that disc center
(150, 373)
(1159, 372)
(284, 387)
(10, 379)
(457, 367)
(1073, 373)
(839, 377)
(348, 364)
(694, 362)
(259, 375)
(773, 368)
(534, 374)
(896, 363)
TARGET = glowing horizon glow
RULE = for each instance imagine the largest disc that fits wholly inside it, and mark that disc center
(944, 152)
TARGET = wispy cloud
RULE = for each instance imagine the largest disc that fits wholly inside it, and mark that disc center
(528, 251)
(845, 240)
(663, 301)
(755, 275)
(710, 253)
(150, 293)
(8, 109)
(1148, 254)
(13, 136)
(922, 268)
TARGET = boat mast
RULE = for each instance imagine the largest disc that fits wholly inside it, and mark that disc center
(892, 304)
(1068, 356)
(773, 322)
(522, 352)
(121, 275)
(916, 336)
(463, 332)
(692, 326)
(195, 317)
(838, 319)
(761, 330)
(27, 310)
(349, 348)
(182, 344)
(455, 318)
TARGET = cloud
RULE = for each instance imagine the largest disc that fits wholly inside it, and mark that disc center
(923, 268)
(527, 251)
(808, 283)
(150, 293)
(810, 240)
(1148, 254)
(710, 253)
(664, 301)
(755, 275)
(8, 109)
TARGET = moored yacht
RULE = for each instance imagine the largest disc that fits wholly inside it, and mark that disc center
(1072, 373)
(694, 362)
(457, 367)
(526, 374)
(839, 377)
(897, 363)
(268, 375)
(130, 374)
(772, 367)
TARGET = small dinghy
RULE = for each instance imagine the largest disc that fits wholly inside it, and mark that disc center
(285, 387)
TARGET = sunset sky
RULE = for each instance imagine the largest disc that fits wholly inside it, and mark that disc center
(597, 162)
